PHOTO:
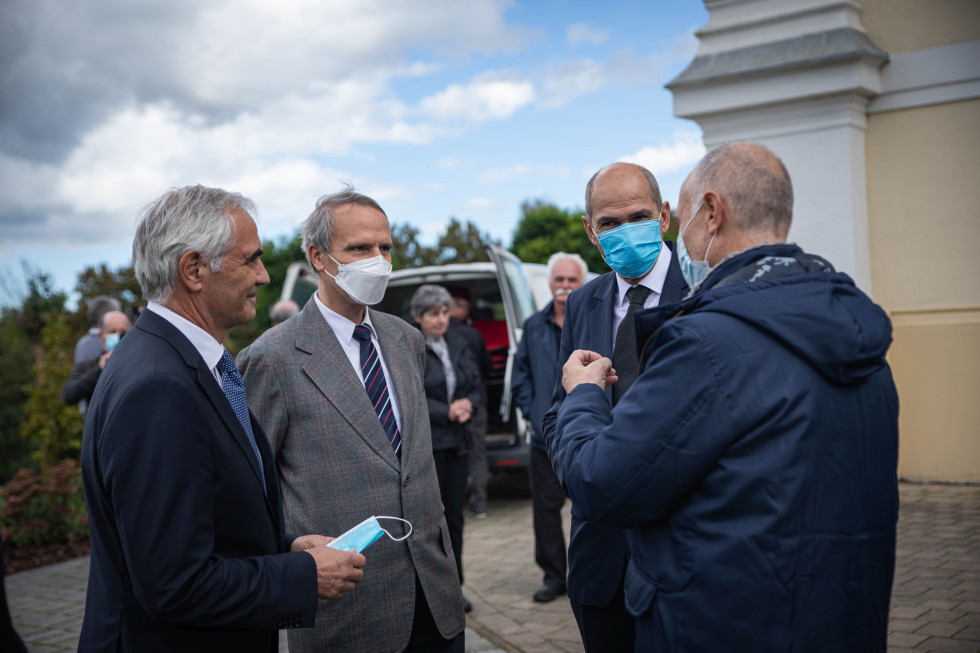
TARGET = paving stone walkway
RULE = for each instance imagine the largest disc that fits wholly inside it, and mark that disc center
(935, 603)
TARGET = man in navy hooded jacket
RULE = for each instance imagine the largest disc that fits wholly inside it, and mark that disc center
(754, 457)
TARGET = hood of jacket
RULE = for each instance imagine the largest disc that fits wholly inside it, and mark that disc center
(796, 299)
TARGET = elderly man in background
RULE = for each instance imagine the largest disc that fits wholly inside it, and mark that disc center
(338, 391)
(85, 374)
(189, 552)
(535, 375)
(754, 458)
(625, 220)
(282, 310)
(89, 345)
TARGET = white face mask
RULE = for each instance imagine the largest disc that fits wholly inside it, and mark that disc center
(364, 281)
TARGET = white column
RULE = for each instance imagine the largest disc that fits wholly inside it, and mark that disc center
(796, 76)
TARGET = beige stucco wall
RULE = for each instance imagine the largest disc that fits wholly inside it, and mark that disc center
(924, 227)
(906, 25)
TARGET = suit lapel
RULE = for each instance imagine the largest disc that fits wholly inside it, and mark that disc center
(601, 319)
(330, 370)
(400, 366)
(675, 286)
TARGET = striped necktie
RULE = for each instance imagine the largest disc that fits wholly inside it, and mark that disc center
(377, 387)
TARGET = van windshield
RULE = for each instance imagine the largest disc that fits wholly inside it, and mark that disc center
(523, 300)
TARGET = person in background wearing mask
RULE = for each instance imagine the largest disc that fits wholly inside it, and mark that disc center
(535, 373)
(754, 461)
(89, 345)
(79, 387)
(338, 392)
(625, 219)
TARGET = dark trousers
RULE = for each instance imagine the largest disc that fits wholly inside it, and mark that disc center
(451, 472)
(426, 637)
(478, 459)
(547, 499)
(610, 629)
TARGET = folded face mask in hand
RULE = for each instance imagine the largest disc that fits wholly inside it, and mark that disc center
(365, 534)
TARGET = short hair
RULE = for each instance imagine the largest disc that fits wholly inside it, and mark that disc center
(318, 227)
(557, 257)
(753, 180)
(428, 297)
(282, 310)
(188, 219)
(129, 322)
(651, 181)
(98, 307)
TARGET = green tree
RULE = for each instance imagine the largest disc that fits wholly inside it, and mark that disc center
(56, 427)
(16, 374)
(544, 229)
(462, 243)
(100, 280)
(406, 251)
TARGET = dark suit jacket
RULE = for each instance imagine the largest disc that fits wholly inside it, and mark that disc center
(183, 537)
(81, 384)
(597, 554)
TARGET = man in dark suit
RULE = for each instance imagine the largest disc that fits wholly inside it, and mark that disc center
(625, 219)
(189, 552)
(338, 390)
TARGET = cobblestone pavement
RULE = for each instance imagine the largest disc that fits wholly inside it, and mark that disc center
(935, 603)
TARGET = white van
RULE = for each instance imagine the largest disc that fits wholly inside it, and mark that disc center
(501, 298)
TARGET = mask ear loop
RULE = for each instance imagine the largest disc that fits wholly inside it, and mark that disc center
(393, 538)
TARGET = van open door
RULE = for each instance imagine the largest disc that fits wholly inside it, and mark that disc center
(519, 303)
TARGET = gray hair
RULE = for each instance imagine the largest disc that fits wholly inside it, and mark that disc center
(753, 180)
(557, 257)
(189, 219)
(282, 310)
(651, 181)
(99, 306)
(428, 297)
(318, 227)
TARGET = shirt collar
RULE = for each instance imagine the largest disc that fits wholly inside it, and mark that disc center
(340, 325)
(210, 349)
(654, 280)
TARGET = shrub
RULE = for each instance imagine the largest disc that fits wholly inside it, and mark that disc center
(44, 508)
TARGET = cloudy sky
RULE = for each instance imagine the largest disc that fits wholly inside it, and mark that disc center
(436, 108)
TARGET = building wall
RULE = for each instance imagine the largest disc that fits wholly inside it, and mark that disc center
(922, 167)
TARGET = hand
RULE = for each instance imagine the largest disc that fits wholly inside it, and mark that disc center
(305, 542)
(103, 359)
(587, 367)
(460, 410)
(336, 571)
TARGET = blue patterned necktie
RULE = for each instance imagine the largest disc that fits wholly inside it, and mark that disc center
(377, 387)
(231, 383)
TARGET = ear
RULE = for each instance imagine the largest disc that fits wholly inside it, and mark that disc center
(717, 210)
(316, 257)
(664, 218)
(587, 225)
(191, 271)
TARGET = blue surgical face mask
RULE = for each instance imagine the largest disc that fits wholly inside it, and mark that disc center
(632, 249)
(694, 271)
(111, 340)
(365, 534)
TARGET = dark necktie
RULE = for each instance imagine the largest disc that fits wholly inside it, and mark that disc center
(377, 387)
(234, 389)
(625, 359)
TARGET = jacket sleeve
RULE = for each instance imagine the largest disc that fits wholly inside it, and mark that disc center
(160, 488)
(565, 350)
(522, 380)
(81, 384)
(631, 465)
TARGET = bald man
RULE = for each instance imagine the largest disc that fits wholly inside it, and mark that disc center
(754, 458)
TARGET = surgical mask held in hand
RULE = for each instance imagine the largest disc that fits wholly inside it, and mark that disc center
(364, 281)
(365, 534)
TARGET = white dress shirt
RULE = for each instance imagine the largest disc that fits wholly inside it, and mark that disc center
(344, 330)
(654, 280)
(210, 349)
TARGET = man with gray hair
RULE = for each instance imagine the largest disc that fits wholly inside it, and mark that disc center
(189, 550)
(625, 219)
(754, 458)
(535, 374)
(338, 391)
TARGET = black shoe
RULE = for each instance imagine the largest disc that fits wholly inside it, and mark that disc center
(550, 592)
(467, 606)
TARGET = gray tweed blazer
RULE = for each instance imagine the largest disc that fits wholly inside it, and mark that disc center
(337, 468)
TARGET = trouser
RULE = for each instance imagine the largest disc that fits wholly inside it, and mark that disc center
(547, 499)
(451, 472)
(608, 629)
(478, 460)
(426, 637)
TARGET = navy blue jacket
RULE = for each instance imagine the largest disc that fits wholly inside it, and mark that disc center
(536, 369)
(753, 460)
(184, 540)
(597, 553)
